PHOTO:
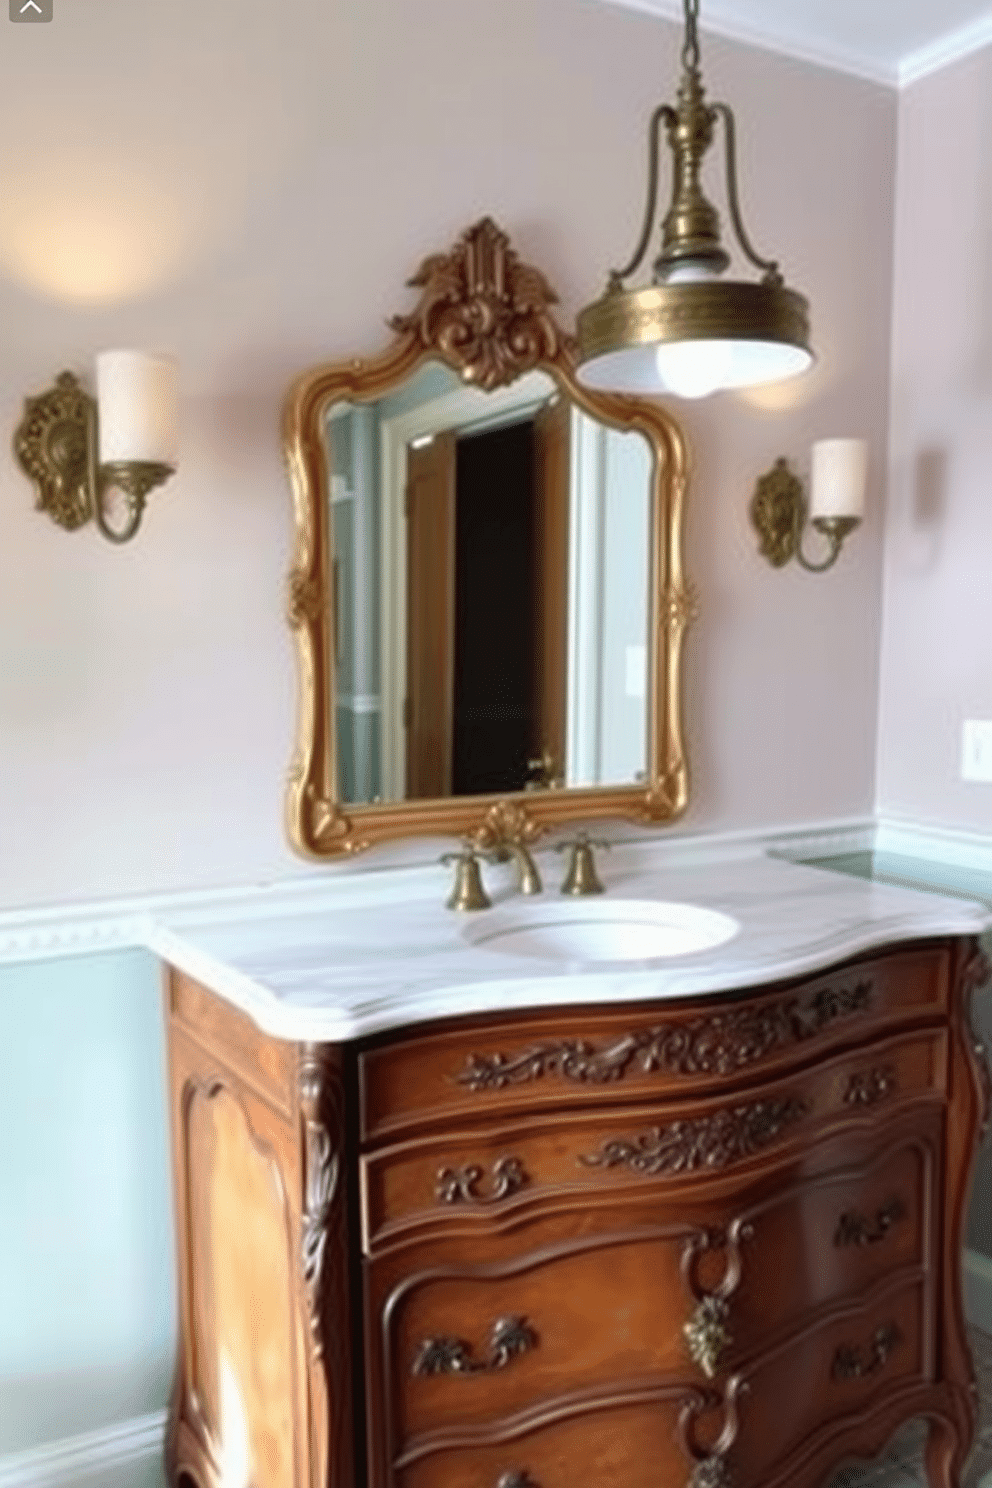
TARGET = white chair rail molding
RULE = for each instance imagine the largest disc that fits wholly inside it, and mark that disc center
(98, 458)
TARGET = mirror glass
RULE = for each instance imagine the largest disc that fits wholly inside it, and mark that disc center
(490, 555)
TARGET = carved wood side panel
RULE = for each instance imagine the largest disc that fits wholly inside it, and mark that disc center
(325, 1264)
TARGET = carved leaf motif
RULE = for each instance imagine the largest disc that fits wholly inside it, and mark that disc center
(321, 1167)
(869, 1087)
(303, 599)
(715, 1141)
(681, 605)
(483, 310)
(506, 822)
(509, 1337)
(717, 1043)
(857, 1229)
(460, 1185)
(851, 1362)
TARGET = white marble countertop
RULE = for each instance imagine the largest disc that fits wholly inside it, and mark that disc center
(366, 952)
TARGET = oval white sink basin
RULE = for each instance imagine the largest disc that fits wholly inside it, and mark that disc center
(601, 930)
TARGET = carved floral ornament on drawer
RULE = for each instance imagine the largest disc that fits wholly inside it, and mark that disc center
(715, 1044)
(461, 1185)
(715, 1141)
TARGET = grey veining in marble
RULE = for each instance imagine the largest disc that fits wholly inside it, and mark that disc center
(381, 950)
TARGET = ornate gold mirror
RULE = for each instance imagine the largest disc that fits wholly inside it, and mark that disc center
(487, 587)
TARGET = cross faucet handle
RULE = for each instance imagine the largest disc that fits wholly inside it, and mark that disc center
(581, 877)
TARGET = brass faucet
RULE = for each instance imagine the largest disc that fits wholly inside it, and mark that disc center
(528, 878)
(581, 877)
(468, 892)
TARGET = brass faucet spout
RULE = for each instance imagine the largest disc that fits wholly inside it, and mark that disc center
(528, 877)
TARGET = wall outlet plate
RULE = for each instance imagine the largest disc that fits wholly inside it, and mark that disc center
(976, 749)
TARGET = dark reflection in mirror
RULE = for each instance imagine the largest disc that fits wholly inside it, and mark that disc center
(490, 561)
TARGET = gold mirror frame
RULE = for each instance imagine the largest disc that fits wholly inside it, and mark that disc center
(484, 314)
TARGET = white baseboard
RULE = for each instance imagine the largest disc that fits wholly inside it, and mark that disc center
(126, 1455)
(978, 1290)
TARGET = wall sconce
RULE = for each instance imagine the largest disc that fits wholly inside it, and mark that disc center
(88, 456)
(836, 505)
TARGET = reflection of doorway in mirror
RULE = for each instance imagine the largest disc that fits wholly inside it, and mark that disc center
(609, 554)
(487, 525)
(582, 704)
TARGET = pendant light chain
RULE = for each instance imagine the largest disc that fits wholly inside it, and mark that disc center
(690, 46)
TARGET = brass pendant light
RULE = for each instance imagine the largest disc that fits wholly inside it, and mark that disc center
(690, 332)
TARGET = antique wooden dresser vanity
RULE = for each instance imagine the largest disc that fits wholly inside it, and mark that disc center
(696, 1243)
(451, 1221)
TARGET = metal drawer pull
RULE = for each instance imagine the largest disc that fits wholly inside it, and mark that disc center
(515, 1480)
(707, 1333)
(851, 1362)
(508, 1337)
(857, 1229)
(460, 1185)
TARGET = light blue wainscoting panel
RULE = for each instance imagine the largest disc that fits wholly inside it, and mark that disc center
(87, 1291)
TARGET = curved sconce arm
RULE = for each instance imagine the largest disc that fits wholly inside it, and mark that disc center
(79, 450)
(778, 507)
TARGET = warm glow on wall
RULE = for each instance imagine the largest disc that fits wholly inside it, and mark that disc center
(89, 230)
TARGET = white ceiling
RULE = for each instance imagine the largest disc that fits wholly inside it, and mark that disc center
(892, 41)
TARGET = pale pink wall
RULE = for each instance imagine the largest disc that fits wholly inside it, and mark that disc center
(937, 652)
(249, 185)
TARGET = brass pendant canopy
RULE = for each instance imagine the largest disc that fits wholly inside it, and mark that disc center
(691, 332)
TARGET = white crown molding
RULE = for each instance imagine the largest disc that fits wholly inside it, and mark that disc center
(938, 54)
(800, 49)
(107, 1456)
(945, 51)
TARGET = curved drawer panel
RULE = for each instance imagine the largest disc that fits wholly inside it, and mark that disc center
(627, 1437)
(833, 1371)
(470, 1180)
(632, 1293)
(535, 1060)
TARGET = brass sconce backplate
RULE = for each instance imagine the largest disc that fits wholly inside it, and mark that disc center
(54, 447)
(777, 510)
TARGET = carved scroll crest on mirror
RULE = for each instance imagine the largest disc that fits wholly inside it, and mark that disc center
(485, 317)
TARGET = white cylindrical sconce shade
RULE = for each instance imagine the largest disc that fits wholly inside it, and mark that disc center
(839, 474)
(137, 406)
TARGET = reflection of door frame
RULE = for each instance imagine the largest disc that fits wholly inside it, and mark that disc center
(464, 408)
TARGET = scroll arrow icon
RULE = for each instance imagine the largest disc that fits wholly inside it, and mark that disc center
(30, 5)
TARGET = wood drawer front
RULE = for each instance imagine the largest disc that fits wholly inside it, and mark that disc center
(470, 1180)
(833, 1371)
(534, 1060)
(620, 1434)
(600, 1308)
(634, 1445)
